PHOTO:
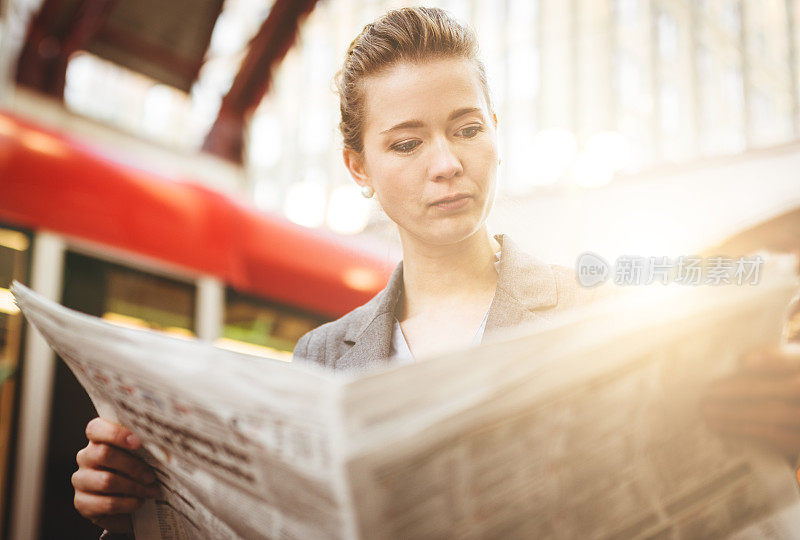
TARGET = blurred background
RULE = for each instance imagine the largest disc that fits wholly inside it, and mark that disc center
(176, 166)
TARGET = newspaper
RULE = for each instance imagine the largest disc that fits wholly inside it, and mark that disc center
(588, 428)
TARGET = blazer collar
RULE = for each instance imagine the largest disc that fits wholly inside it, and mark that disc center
(527, 280)
(524, 285)
(370, 331)
(383, 303)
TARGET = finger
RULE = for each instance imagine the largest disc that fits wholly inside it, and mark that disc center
(92, 506)
(772, 412)
(102, 431)
(109, 483)
(779, 359)
(785, 440)
(121, 524)
(104, 456)
(756, 387)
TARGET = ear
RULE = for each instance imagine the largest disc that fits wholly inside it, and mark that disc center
(356, 166)
(494, 119)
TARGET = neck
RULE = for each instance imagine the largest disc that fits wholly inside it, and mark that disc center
(442, 275)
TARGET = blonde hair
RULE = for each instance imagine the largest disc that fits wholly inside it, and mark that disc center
(411, 35)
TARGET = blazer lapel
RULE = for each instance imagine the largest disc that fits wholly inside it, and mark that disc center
(525, 287)
(371, 334)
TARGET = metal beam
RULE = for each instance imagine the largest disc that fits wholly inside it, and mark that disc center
(267, 49)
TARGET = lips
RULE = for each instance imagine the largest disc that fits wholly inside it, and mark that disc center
(450, 199)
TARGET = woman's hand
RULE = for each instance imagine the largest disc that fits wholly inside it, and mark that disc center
(111, 482)
(762, 401)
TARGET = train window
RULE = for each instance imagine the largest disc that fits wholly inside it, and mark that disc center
(259, 327)
(128, 297)
(146, 301)
(14, 255)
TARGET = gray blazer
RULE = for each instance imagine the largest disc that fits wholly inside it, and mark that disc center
(528, 291)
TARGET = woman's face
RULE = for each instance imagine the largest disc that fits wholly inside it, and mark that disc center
(430, 149)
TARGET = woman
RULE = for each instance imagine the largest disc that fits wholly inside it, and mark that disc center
(420, 134)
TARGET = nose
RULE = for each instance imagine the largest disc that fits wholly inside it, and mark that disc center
(445, 164)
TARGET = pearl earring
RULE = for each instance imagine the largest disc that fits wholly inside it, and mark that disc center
(367, 192)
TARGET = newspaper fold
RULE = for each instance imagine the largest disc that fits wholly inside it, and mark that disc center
(588, 428)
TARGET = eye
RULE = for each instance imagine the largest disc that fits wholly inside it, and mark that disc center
(406, 147)
(471, 131)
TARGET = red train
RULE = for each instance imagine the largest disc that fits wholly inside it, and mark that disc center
(135, 248)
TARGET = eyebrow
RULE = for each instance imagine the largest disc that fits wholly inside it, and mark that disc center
(419, 123)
